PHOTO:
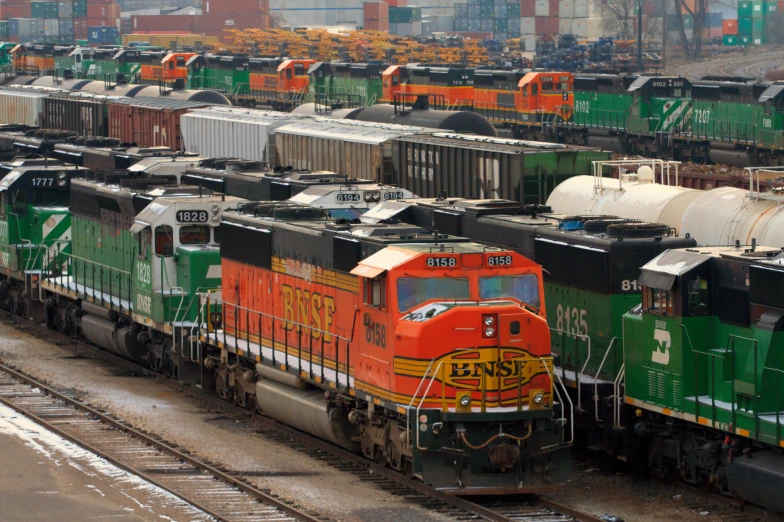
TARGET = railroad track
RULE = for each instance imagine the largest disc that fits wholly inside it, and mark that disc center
(753, 67)
(61, 413)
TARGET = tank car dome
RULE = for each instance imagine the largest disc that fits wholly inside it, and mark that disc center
(185, 95)
(19, 80)
(310, 109)
(649, 202)
(724, 215)
(457, 121)
(69, 85)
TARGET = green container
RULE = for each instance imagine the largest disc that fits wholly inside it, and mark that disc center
(80, 9)
(744, 39)
(745, 26)
(44, 9)
(759, 39)
(501, 25)
(730, 40)
(487, 11)
(513, 10)
(4, 29)
(758, 7)
(745, 8)
(757, 26)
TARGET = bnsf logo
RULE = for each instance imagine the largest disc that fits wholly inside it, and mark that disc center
(144, 304)
(490, 369)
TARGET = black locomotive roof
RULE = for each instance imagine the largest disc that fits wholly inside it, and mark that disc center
(260, 231)
(41, 178)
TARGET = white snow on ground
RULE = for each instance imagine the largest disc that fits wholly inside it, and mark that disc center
(65, 453)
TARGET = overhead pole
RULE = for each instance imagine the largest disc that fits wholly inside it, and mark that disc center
(639, 35)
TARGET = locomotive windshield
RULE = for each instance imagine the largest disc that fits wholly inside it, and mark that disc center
(524, 288)
(413, 291)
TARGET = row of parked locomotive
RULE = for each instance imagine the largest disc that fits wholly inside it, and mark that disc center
(432, 351)
(287, 302)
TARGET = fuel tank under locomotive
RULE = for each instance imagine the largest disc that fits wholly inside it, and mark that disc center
(101, 327)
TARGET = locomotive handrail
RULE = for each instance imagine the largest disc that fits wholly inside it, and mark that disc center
(617, 396)
(596, 380)
(585, 364)
(421, 402)
(553, 376)
(713, 358)
(778, 372)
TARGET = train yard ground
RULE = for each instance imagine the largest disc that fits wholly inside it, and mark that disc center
(236, 443)
(751, 63)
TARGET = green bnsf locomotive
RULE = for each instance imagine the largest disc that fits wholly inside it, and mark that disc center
(704, 370)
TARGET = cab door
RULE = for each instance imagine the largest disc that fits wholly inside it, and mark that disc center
(373, 365)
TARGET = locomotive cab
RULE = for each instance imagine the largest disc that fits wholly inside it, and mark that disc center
(391, 79)
(546, 97)
(293, 76)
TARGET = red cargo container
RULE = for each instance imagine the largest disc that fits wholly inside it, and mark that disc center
(376, 25)
(397, 3)
(107, 11)
(149, 122)
(102, 22)
(553, 8)
(376, 11)
(219, 22)
(99, 2)
(546, 25)
(235, 6)
(163, 23)
(11, 11)
(729, 27)
(527, 8)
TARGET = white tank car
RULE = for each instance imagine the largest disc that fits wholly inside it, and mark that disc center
(722, 216)
(639, 199)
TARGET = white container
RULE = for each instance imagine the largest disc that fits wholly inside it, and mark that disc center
(527, 25)
(528, 43)
(542, 8)
(52, 27)
(233, 133)
(639, 200)
(594, 28)
(566, 9)
(580, 27)
(24, 108)
(565, 26)
(582, 8)
(724, 215)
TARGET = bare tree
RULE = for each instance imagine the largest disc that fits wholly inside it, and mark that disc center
(620, 19)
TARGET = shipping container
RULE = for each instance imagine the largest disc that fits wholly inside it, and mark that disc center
(107, 12)
(542, 8)
(528, 43)
(546, 25)
(222, 7)
(164, 23)
(21, 106)
(730, 40)
(44, 9)
(555, 8)
(65, 9)
(745, 8)
(85, 114)
(164, 40)
(376, 11)
(528, 25)
(470, 167)
(51, 28)
(376, 25)
(352, 149)
(566, 9)
(148, 122)
(582, 9)
(102, 35)
(79, 8)
(461, 10)
(729, 27)
(528, 8)
(219, 132)
(565, 26)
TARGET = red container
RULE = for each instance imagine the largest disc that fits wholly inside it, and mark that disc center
(234, 7)
(107, 12)
(149, 122)
(546, 25)
(11, 11)
(101, 2)
(213, 23)
(163, 23)
(102, 22)
(729, 27)
(376, 25)
(376, 11)
(554, 8)
(397, 3)
(527, 9)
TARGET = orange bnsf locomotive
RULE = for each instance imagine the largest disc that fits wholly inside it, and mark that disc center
(425, 352)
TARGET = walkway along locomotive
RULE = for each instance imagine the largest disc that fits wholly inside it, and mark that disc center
(431, 351)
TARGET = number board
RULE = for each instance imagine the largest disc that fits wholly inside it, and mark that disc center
(393, 195)
(499, 261)
(546, 78)
(441, 262)
(348, 197)
(192, 216)
(42, 182)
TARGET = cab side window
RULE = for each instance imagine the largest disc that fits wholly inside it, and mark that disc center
(164, 241)
(143, 239)
(658, 301)
(375, 291)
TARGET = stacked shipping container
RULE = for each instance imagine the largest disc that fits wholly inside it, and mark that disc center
(376, 16)
(61, 22)
(499, 17)
(755, 24)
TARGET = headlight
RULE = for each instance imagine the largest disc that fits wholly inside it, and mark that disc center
(215, 209)
(376, 196)
(216, 319)
(61, 182)
(538, 398)
(368, 197)
(489, 320)
(61, 175)
(465, 401)
(489, 331)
